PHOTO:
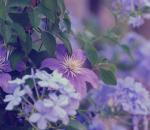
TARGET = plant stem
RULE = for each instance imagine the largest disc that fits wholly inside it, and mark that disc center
(135, 122)
(145, 123)
(36, 89)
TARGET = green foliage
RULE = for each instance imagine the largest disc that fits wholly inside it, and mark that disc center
(20, 28)
(15, 58)
(49, 43)
(75, 125)
(108, 76)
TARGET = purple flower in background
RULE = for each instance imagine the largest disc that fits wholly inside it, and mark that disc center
(128, 6)
(132, 96)
(136, 21)
(71, 66)
(4, 63)
(4, 69)
(139, 67)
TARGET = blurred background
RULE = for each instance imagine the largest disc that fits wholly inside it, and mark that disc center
(119, 31)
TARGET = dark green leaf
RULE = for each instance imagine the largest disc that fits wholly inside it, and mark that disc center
(50, 4)
(6, 32)
(45, 11)
(68, 23)
(34, 18)
(49, 42)
(41, 56)
(2, 11)
(91, 53)
(20, 31)
(63, 37)
(75, 125)
(27, 45)
(15, 58)
(61, 6)
(20, 18)
(108, 66)
(16, 3)
(108, 77)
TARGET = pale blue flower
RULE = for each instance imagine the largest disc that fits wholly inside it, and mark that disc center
(21, 81)
(136, 21)
(132, 96)
(15, 99)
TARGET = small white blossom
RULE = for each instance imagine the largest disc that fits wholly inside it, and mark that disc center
(19, 81)
(15, 99)
(52, 97)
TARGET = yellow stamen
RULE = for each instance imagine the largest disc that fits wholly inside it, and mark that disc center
(72, 65)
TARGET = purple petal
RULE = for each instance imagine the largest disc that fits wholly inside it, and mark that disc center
(21, 66)
(4, 78)
(91, 77)
(34, 117)
(7, 67)
(3, 51)
(71, 108)
(39, 106)
(79, 54)
(42, 124)
(61, 51)
(50, 63)
(80, 86)
(51, 116)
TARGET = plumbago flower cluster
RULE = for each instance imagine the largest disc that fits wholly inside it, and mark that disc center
(132, 96)
(128, 96)
(47, 99)
(136, 10)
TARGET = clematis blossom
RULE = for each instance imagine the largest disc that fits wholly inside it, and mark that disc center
(4, 69)
(72, 67)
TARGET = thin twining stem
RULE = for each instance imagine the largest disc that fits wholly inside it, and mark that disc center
(34, 82)
(145, 123)
(27, 101)
(135, 122)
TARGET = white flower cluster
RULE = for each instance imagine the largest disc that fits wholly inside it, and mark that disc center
(48, 99)
(133, 97)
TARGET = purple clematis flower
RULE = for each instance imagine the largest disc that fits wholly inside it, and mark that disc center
(71, 66)
(4, 69)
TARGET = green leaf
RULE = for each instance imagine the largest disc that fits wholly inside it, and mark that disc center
(75, 125)
(2, 11)
(15, 58)
(108, 77)
(5, 32)
(18, 3)
(63, 37)
(91, 53)
(34, 18)
(20, 31)
(67, 22)
(108, 66)
(127, 50)
(20, 18)
(45, 11)
(61, 6)
(49, 42)
(27, 45)
(41, 56)
(50, 4)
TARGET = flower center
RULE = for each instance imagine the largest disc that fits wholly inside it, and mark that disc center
(72, 65)
(2, 63)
